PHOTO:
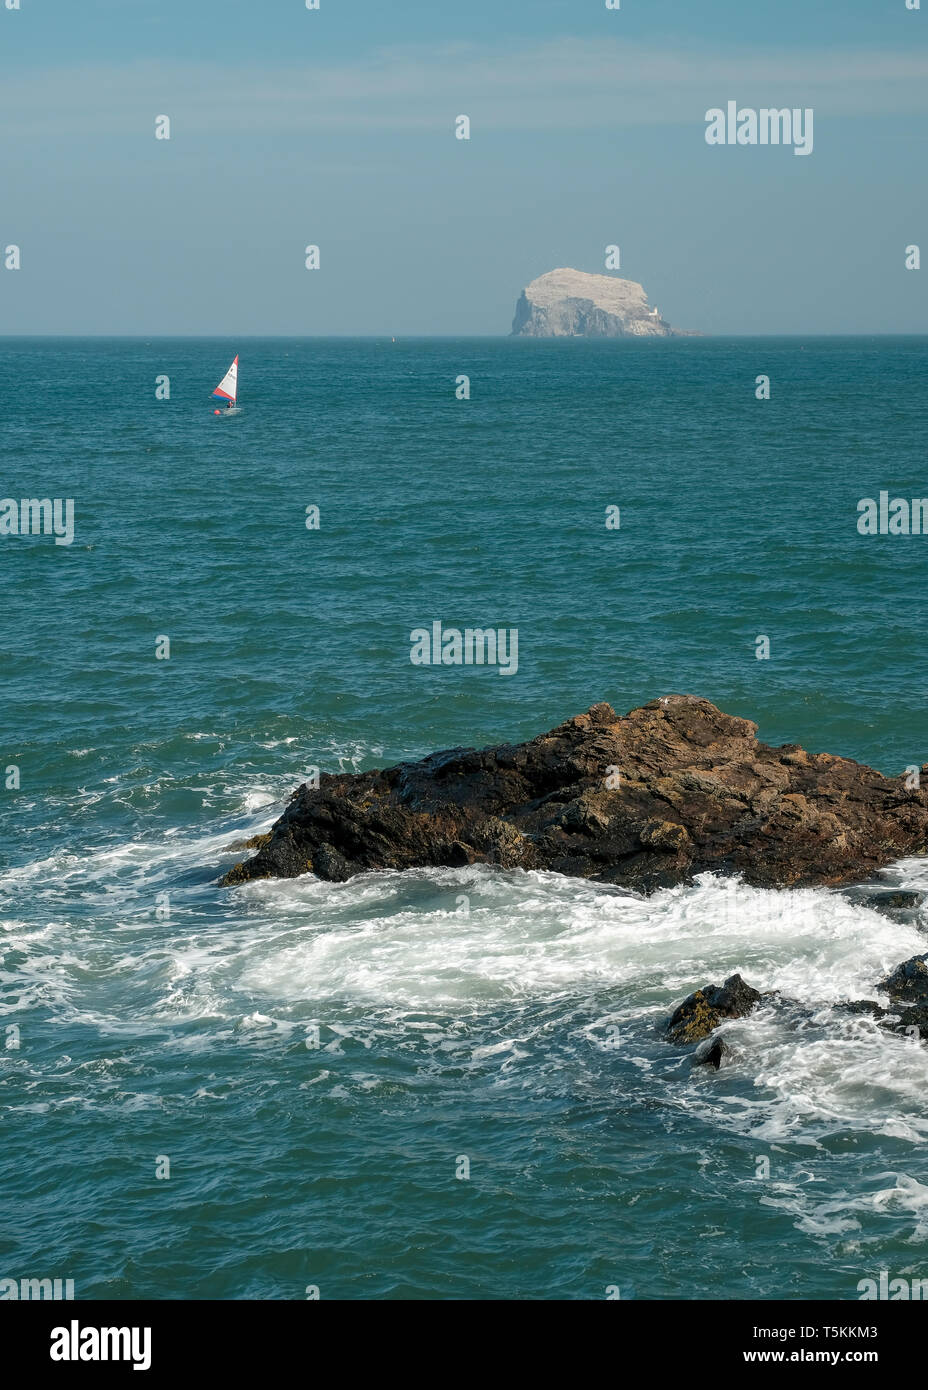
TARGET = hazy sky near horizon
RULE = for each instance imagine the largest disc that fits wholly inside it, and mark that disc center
(336, 127)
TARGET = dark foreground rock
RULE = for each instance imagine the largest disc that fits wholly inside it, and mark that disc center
(908, 983)
(907, 987)
(644, 801)
(702, 1012)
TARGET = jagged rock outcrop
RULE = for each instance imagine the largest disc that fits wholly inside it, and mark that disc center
(702, 1012)
(572, 304)
(644, 801)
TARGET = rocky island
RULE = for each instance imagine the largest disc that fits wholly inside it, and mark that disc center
(572, 304)
(644, 801)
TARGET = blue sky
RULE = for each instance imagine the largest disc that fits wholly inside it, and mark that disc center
(336, 127)
(87, 31)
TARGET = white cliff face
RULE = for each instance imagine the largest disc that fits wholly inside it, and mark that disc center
(571, 304)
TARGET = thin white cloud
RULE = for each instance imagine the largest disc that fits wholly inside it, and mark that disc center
(567, 84)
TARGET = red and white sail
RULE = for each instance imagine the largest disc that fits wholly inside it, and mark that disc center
(228, 387)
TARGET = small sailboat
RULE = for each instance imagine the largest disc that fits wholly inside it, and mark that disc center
(227, 390)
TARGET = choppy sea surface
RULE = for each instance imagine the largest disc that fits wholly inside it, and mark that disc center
(441, 1084)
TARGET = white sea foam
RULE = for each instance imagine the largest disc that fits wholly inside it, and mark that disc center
(404, 939)
(478, 968)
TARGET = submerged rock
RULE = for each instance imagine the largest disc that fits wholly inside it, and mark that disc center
(899, 903)
(911, 1021)
(645, 801)
(908, 983)
(702, 1012)
(861, 1007)
(898, 900)
(710, 1053)
(697, 1018)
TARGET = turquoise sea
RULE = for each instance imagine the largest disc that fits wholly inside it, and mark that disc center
(312, 1063)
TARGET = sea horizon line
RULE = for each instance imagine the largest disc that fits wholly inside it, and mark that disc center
(441, 337)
